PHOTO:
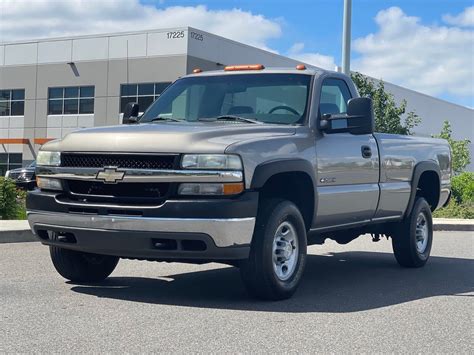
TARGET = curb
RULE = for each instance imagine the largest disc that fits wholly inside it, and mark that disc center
(20, 235)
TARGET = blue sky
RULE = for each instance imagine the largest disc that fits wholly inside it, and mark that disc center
(424, 45)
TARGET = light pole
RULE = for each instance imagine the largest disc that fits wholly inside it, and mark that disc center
(346, 37)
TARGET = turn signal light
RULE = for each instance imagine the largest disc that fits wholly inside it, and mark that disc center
(244, 67)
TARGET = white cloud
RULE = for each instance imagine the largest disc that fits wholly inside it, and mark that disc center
(316, 59)
(464, 19)
(431, 59)
(20, 19)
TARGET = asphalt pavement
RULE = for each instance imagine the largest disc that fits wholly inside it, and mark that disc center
(353, 298)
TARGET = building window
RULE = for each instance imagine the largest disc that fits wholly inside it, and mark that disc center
(71, 100)
(143, 94)
(12, 102)
(9, 161)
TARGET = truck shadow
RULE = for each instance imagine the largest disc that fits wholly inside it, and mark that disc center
(339, 283)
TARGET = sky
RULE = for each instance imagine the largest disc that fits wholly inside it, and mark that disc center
(424, 45)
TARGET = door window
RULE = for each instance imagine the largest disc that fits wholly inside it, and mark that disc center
(334, 96)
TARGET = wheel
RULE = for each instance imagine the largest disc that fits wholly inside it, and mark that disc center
(412, 241)
(278, 252)
(82, 267)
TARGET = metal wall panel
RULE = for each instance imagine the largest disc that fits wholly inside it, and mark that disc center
(136, 46)
(90, 48)
(55, 51)
(18, 54)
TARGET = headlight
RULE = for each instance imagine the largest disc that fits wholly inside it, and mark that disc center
(48, 158)
(211, 161)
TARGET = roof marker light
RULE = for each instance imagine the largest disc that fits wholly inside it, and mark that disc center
(244, 67)
(197, 70)
(301, 67)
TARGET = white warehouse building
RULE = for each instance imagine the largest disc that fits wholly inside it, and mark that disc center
(50, 87)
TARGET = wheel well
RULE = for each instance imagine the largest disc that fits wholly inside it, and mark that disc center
(296, 187)
(428, 187)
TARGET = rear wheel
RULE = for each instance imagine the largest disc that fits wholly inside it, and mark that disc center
(413, 239)
(82, 267)
(278, 253)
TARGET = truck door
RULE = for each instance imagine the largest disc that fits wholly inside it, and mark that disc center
(347, 166)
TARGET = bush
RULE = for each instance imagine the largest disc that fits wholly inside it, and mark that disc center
(12, 200)
(456, 210)
(462, 187)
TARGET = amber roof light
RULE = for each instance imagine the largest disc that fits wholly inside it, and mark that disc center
(244, 67)
(301, 67)
(197, 70)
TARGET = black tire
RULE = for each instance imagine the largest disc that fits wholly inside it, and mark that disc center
(258, 272)
(82, 267)
(404, 240)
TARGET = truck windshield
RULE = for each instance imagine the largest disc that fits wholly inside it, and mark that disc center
(269, 98)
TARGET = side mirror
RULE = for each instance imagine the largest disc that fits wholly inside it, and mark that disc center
(359, 118)
(130, 114)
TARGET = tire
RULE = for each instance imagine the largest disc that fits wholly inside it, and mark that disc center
(412, 240)
(279, 241)
(82, 267)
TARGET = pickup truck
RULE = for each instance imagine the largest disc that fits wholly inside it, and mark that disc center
(245, 166)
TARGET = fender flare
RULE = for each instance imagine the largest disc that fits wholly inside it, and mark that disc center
(419, 169)
(264, 171)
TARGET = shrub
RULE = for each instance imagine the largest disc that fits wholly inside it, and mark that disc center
(12, 201)
(456, 210)
(462, 187)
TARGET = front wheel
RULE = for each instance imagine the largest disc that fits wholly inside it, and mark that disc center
(278, 252)
(412, 240)
(82, 267)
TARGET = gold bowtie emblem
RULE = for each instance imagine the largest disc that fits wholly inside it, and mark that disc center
(110, 175)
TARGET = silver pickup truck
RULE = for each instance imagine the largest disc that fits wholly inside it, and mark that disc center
(245, 166)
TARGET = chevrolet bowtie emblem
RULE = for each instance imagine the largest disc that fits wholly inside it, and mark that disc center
(110, 175)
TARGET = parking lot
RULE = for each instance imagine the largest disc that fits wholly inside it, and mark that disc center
(353, 298)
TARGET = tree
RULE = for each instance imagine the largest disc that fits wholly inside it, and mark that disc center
(461, 156)
(388, 115)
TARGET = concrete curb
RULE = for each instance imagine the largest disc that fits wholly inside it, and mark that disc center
(19, 231)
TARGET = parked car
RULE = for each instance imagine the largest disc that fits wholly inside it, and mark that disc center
(245, 166)
(25, 178)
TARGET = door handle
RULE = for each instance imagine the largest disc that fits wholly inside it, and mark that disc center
(366, 151)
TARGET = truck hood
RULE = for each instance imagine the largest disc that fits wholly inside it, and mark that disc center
(169, 137)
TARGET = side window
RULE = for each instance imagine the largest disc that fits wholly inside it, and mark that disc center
(334, 96)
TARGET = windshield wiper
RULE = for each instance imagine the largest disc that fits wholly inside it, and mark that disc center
(228, 118)
(166, 119)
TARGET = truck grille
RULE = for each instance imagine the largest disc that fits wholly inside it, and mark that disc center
(125, 161)
(125, 191)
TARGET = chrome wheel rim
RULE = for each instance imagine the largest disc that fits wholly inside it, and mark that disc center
(421, 233)
(285, 251)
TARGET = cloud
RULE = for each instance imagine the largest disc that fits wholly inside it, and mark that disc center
(432, 59)
(20, 19)
(464, 19)
(316, 59)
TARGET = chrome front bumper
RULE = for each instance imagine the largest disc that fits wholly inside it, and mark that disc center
(224, 232)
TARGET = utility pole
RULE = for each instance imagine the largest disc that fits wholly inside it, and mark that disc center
(346, 37)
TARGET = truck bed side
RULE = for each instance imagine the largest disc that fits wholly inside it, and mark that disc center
(399, 158)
